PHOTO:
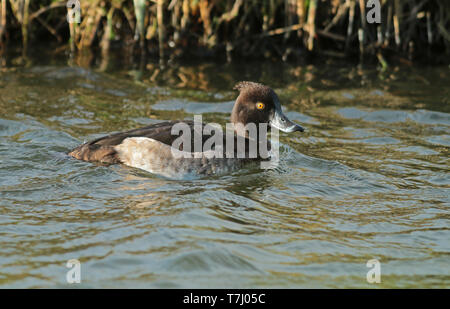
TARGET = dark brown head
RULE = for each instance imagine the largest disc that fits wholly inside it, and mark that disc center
(258, 103)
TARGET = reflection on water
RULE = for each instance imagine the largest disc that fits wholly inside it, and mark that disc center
(369, 179)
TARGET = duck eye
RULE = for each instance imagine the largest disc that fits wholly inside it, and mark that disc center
(260, 105)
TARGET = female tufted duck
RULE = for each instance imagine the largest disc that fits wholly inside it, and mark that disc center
(153, 148)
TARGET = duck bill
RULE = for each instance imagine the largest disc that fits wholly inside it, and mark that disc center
(281, 122)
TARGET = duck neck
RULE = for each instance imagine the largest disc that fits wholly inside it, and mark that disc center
(250, 131)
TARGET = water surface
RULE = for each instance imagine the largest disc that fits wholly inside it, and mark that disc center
(369, 179)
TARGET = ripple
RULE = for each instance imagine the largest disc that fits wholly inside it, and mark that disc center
(368, 179)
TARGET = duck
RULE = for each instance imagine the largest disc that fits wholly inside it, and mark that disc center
(183, 148)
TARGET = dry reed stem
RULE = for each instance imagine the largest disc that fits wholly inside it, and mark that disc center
(397, 15)
(351, 17)
(312, 23)
(2, 22)
(233, 25)
(387, 34)
(46, 9)
(160, 18)
(340, 14)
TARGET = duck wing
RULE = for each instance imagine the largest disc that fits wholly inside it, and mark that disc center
(103, 149)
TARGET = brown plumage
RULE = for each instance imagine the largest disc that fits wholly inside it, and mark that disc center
(102, 149)
(111, 149)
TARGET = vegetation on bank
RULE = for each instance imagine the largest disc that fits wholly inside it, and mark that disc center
(282, 29)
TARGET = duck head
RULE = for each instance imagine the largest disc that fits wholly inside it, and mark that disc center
(258, 103)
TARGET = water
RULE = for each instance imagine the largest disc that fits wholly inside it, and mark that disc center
(369, 179)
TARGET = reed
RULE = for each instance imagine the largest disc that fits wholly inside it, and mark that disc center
(2, 21)
(235, 28)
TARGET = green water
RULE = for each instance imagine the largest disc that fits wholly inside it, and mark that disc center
(368, 179)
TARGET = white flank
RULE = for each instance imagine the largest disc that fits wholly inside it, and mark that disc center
(158, 158)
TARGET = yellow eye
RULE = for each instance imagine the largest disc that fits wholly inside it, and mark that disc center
(260, 105)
